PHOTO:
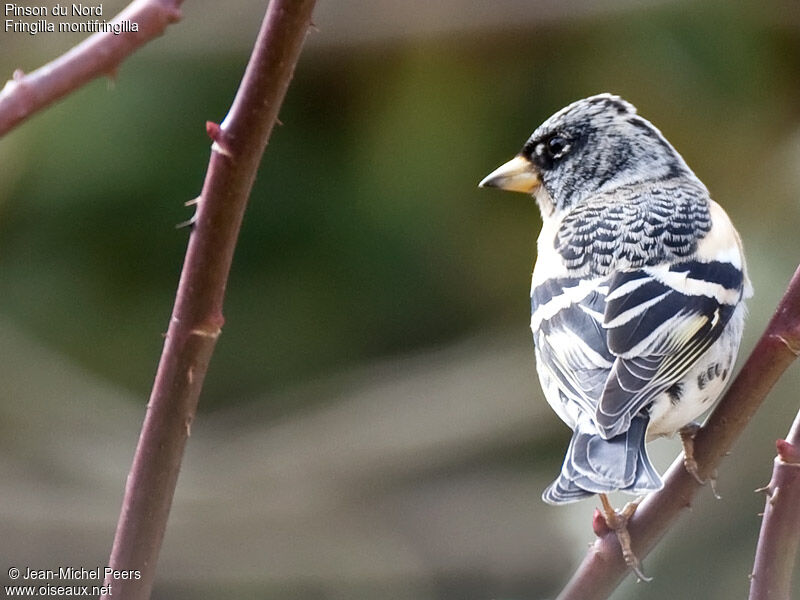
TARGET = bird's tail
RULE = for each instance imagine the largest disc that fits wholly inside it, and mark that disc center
(594, 465)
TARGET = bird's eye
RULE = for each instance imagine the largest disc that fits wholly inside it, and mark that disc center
(556, 146)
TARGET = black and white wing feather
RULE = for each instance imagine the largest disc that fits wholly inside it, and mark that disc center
(659, 321)
(571, 343)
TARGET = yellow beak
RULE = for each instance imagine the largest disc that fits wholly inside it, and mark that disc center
(517, 175)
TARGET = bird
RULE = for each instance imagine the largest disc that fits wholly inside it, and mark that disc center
(637, 296)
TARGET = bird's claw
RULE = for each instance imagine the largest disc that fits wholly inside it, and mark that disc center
(690, 464)
(617, 522)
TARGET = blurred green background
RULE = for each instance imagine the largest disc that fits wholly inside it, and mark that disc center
(371, 425)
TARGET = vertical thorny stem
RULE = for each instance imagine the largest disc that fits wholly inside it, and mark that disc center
(197, 315)
(780, 529)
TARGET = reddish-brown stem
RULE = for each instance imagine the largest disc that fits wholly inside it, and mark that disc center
(98, 55)
(197, 315)
(603, 568)
(780, 530)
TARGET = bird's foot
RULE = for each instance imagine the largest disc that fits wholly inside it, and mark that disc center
(618, 523)
(687, 439)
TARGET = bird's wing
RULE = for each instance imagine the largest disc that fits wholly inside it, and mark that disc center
(572, 351)
(659, 321)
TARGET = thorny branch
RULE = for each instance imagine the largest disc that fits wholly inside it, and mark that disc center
(780, 530)
(238, 144)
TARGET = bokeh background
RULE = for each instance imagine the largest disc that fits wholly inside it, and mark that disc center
(371, 425)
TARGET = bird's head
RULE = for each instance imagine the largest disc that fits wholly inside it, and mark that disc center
(592, 146)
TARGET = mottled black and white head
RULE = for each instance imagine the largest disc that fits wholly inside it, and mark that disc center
(592, 146)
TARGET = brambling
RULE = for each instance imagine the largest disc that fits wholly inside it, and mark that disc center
(637, 298)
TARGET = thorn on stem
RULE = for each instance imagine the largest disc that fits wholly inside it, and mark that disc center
(174, 14)
(788, 452)
(188, 222)
(213, 130)
(599, 524)
(18, 75)
(216, 133)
